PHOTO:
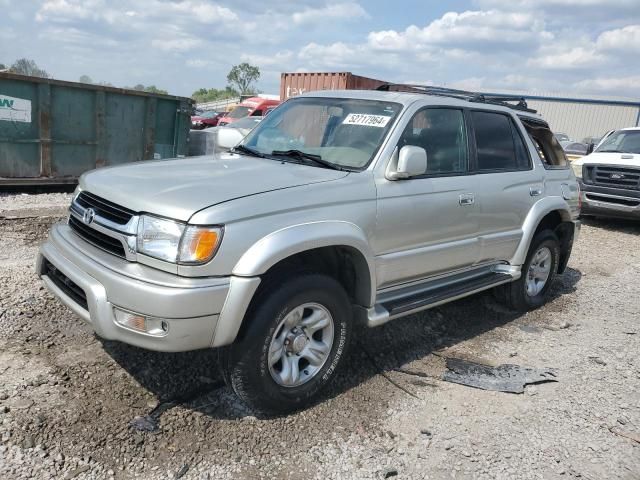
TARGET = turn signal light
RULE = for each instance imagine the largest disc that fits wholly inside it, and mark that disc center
(134, 321)
(199, 244)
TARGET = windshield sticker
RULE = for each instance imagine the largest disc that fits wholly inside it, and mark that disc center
(366, 120)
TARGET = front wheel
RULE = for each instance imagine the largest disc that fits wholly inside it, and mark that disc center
(538, 273)
(296, 338)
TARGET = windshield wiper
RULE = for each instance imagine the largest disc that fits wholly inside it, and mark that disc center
(248, 151)
(300, 155)
(610, 151)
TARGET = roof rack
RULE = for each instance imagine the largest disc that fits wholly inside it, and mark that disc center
(459, 94)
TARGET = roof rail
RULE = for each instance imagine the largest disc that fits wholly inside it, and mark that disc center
(459, 94)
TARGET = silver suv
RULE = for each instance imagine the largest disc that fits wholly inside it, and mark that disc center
(341, 210)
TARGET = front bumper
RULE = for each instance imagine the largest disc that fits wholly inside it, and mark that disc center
(190, 306)
(609, 202)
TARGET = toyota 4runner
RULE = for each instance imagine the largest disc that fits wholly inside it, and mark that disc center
(341, 210)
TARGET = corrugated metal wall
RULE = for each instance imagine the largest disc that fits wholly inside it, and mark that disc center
(580, 120)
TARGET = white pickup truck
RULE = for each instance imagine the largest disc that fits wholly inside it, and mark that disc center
(610, 176)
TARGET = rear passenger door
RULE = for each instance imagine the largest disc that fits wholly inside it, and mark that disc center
(507, 183)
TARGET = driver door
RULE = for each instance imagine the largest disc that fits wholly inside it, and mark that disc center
(427, 225)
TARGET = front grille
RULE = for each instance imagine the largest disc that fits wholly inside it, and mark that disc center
(99, 239)
(618, 201)
(612, 176)
(65, 284)
(105, 208)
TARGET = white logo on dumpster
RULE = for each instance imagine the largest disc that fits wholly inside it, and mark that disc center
(15, 109)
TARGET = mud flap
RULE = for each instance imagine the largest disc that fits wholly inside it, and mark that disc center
(565, 233)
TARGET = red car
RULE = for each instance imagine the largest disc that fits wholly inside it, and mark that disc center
(251, 107)
(206, 120)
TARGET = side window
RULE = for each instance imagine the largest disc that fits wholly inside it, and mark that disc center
(549, 149)
(498, 145)
(442, 133)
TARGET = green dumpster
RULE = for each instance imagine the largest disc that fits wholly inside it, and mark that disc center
(52, 131)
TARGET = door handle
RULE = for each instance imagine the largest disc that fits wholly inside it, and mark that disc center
(466, 199)
(535, 192)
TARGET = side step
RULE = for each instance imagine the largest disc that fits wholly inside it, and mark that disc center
(439, 294)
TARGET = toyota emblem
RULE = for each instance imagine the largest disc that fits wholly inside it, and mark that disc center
(88, 216)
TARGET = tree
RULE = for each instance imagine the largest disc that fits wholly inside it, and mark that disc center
(139, 87)
(154, 89)
(203, 95)
(25, 66)
(2, 66)
(242, 77)
(85, 79)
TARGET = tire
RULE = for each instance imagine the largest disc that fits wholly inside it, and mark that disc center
(520, 295)
(270, 388)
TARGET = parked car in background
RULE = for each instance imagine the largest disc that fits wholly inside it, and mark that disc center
(592, 140)
(574, 150)
(206, 120)
(244, 125)
(251, 107)
(211, 141)
(610, 176)
(562, 137)
(228, 136)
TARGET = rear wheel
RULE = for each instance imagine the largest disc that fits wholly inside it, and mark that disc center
(298, 334)
(538, 273)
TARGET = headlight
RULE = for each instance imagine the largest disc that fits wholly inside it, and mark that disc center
(577, 170)
(159, 238)
(177, 242)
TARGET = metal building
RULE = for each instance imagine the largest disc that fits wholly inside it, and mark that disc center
(585, 116)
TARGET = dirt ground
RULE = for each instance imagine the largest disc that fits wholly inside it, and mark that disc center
(67, 399)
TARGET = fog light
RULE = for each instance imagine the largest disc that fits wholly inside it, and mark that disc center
(134, 321)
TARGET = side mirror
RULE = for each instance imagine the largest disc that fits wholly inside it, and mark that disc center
(590, 148)
(411, 161)
(228, 138)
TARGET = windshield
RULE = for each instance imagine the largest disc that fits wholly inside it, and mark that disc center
(239, 112)
(209, 114)
(623, 141)
(343, 131)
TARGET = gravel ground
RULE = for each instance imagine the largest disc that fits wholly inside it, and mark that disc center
(67, 398)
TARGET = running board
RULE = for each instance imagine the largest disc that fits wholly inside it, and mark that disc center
(399, 307)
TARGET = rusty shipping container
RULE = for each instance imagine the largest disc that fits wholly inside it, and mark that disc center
(292, 84)
(52, 131)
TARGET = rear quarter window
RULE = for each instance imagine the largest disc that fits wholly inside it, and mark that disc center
(549, 149)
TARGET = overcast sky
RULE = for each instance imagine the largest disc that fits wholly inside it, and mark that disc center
(571, 46)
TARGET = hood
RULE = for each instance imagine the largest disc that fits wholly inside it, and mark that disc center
(611, 158)
(179, 188)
